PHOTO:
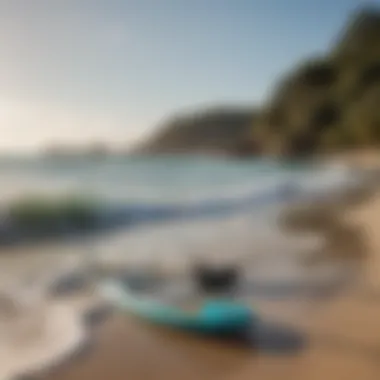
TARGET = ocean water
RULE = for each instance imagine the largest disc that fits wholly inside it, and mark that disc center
(246, 235)
(177, 180)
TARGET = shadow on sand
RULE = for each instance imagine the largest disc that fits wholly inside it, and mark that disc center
(267, 338)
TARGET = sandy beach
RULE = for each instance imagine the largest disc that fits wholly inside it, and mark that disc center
(338, 328)
(342, 331)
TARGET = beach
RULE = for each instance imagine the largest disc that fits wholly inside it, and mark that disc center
(343, 333)
(338, 326)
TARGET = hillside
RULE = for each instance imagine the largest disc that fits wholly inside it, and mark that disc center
(326, 103)
(217, 130)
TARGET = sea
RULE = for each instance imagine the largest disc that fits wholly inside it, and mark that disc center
(247, 233)
(163, 180)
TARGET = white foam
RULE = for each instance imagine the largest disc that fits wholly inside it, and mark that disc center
(38, 338)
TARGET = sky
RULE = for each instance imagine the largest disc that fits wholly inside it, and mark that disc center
(81, 71)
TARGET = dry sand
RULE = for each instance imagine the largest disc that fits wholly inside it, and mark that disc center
(344, 335)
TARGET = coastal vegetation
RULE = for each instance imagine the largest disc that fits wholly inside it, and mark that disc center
(217, 131)
(327, 103)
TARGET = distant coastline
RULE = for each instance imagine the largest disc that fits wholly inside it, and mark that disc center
(90, 151)
(63, 151)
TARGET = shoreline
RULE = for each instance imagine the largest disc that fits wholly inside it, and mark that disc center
(112, 219)
(124, 345)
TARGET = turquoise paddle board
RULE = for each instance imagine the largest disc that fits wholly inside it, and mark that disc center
(214, 317)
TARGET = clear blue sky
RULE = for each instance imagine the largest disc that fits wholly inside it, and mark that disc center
(86, 70)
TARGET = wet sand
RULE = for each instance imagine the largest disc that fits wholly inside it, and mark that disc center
(343, 332)
(127, 348)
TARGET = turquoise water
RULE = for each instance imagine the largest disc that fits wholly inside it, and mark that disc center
(165, 179)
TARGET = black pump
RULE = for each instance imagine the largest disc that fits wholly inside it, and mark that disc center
(216, 280)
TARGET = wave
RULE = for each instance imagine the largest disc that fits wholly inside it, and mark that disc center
(269, 189)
